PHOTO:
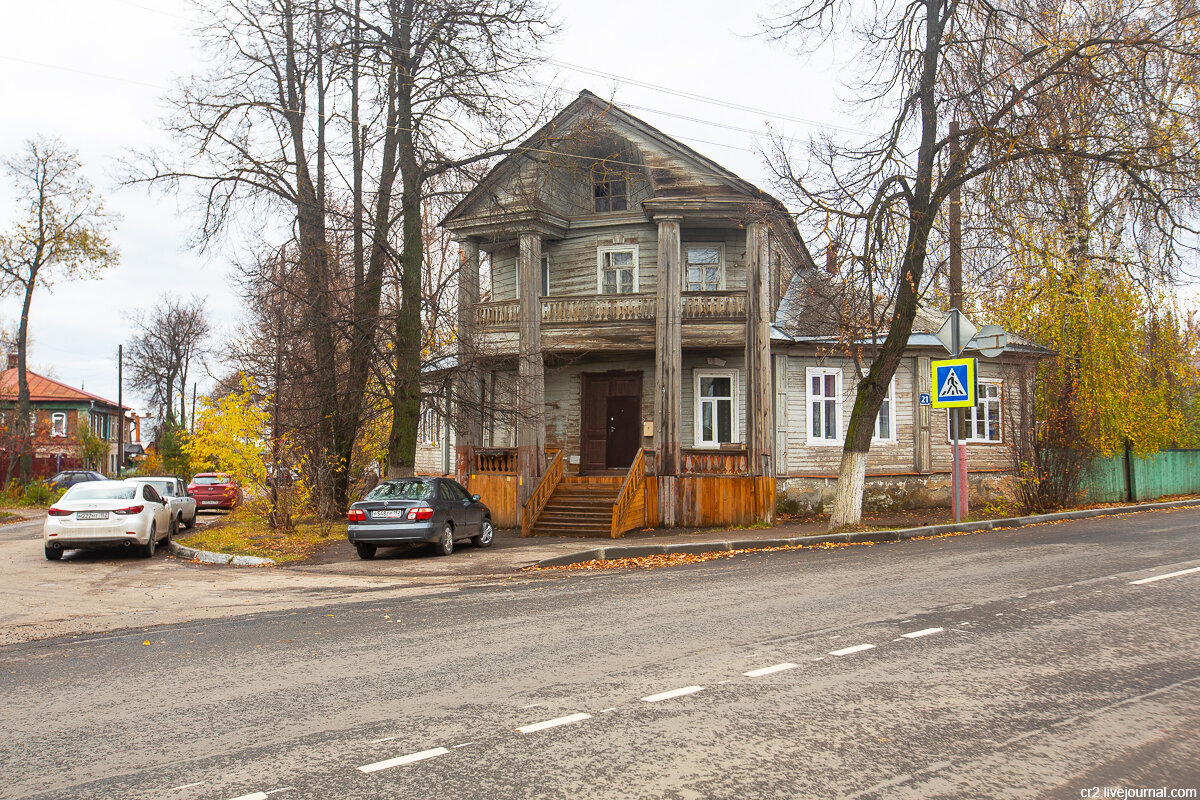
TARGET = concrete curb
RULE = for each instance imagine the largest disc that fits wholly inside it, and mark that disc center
(900, 535)
(209, 557)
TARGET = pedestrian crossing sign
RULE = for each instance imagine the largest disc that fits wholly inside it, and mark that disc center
(954, 383)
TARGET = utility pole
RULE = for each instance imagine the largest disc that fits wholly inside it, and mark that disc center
(120, 410)
(958, 482)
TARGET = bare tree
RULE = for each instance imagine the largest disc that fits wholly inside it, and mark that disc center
(170, 339)
(451, 70)
(993, 68)
(320, 109)
(61, 233)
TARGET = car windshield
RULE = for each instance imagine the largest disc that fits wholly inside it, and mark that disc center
(210, 480)
(98, 490)
(402, 490)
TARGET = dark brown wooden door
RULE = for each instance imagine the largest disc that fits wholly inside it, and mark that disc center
(610, 420)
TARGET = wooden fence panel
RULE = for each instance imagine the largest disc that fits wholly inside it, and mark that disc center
(718, 500)
(499, 493)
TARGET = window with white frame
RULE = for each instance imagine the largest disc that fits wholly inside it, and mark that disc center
(716, 407)
(427, 430)
(618, 270)
(981, 422)
(885, 420)
(824, 405)
(58, 424)
(704, 267)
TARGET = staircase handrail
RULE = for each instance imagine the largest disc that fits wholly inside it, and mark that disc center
(541, 494)
(633, 488)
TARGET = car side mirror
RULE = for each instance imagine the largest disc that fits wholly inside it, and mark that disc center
(165, 502)
(474, 498)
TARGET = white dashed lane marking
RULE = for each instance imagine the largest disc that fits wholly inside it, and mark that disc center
(845, 651)
(411, 758)
(185, 786)
(554, 723)
(758, 673)
(253, 796)
(923, 632)
(1154, 578)
(686, 690)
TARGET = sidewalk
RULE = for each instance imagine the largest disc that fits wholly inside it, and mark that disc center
(509, 552)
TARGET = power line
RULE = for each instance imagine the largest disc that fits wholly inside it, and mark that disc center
(705, 99)
(82, 72)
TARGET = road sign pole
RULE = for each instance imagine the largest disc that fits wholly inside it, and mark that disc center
(955, 350)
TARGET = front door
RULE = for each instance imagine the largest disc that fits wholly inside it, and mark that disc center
(610, 420)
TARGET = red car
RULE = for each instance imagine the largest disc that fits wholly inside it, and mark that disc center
(215, 490)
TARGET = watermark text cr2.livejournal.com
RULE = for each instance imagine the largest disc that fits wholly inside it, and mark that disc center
(1127, 793)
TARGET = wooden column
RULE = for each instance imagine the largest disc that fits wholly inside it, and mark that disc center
(468, 409)
(668, 380)
(781, 414)
(758, 350)
(922, 417)
(531, 370)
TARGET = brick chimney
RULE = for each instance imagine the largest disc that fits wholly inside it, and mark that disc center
(831, 258)
(12, 360)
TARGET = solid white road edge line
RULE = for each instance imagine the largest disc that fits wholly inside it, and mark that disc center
(922, 632)
(845, 651)
(758, 673)
(553, 723)
(1164, 577)
(402, 760)
(656, 698)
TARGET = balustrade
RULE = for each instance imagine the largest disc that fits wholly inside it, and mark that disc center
(714, 462)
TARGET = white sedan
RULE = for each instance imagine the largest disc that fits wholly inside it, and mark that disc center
(107, 514)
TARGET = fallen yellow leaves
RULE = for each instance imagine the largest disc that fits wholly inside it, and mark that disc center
(676, 559)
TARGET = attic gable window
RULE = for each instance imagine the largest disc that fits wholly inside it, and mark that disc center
(609, 193)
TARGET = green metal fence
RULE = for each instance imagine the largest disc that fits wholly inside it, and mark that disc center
(1130, 477)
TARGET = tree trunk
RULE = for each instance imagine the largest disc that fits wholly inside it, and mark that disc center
(25, 431)
(406, 394)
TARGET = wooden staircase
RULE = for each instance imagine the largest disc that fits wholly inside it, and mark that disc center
(579, 507)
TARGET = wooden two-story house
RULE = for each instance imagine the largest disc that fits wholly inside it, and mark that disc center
(626, 356)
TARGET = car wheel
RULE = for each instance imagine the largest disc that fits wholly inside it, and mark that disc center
(445, 542)
(173, 528)
(191, 523)
(486, 534)
(53, 553)
(365, 551)
(152, 542)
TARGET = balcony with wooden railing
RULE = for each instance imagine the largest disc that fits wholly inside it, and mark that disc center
(641, 307)
(700, 461)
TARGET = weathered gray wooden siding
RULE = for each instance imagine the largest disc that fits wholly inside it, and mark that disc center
(692, 361)
(574, 259)
(884, 457)
(981, 455)
(563, 386)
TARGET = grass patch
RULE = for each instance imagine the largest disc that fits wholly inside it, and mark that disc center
(244, 534)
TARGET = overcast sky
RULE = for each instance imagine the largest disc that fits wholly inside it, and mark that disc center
(94, 73)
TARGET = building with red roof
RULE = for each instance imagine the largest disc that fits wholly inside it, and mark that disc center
(58, 411)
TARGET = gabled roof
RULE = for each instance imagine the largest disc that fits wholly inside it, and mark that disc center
(46, 390)
(567, 117)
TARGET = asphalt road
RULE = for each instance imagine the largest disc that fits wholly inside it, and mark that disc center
(1017, 664)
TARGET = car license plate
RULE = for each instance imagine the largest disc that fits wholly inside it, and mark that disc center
(209, 502)
(91, 515)
(388, 514)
